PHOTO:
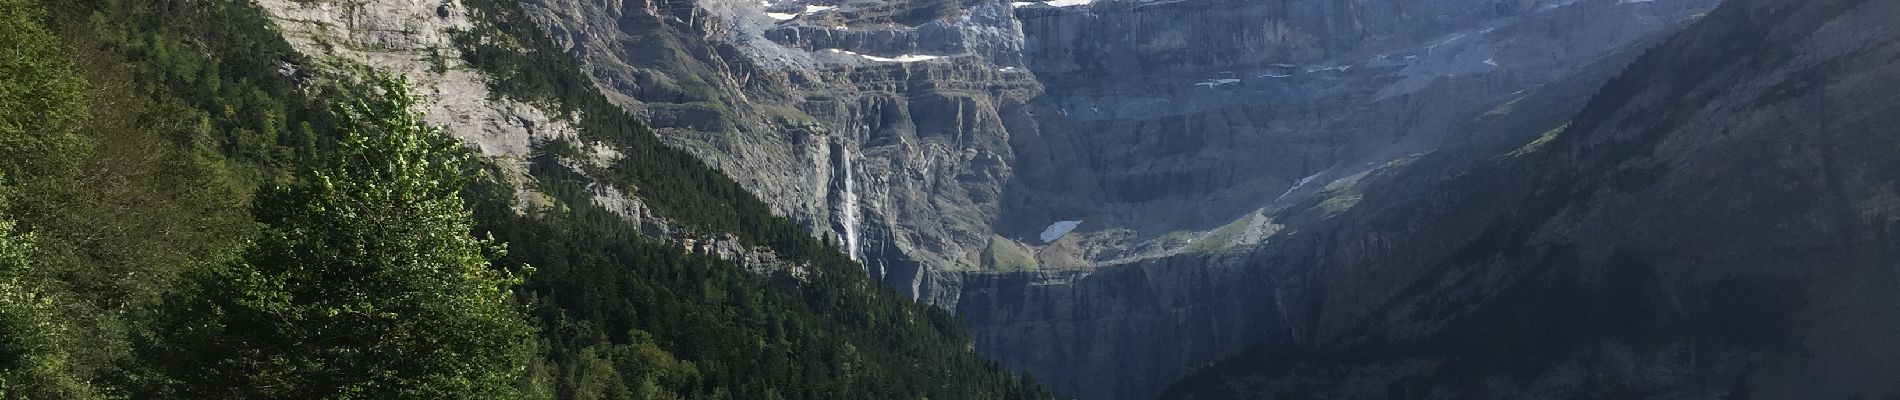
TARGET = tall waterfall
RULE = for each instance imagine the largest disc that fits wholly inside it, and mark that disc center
(849, 214)
(844, 198)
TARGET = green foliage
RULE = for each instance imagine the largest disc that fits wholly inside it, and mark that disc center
(222, 70)
(35, 362)
(141, 208)
(367, 284)
(1009, 256)
(115, 206)
(40, 97)
(1221, 239)
(40, 105)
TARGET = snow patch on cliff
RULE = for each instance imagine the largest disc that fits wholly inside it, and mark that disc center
(1059, 229)
(1297, 185)
(786, 16)
(1211, 83)
(906, 58)
(1052, 3)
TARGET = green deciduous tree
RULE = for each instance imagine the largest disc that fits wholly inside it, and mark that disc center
(366, 285)
(34, 357)
(41, 103)
(41, 100)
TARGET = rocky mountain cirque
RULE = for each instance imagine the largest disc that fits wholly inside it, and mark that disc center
(939, 141)
(1718, 223)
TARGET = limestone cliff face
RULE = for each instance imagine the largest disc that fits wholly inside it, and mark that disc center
(888, 135)
(945, 143)
(413, 39)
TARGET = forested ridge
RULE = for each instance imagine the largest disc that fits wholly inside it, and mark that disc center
(188, 211)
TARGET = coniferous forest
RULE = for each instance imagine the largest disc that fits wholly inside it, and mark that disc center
(182, 217)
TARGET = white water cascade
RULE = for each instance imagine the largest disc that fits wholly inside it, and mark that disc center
(848, 207)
